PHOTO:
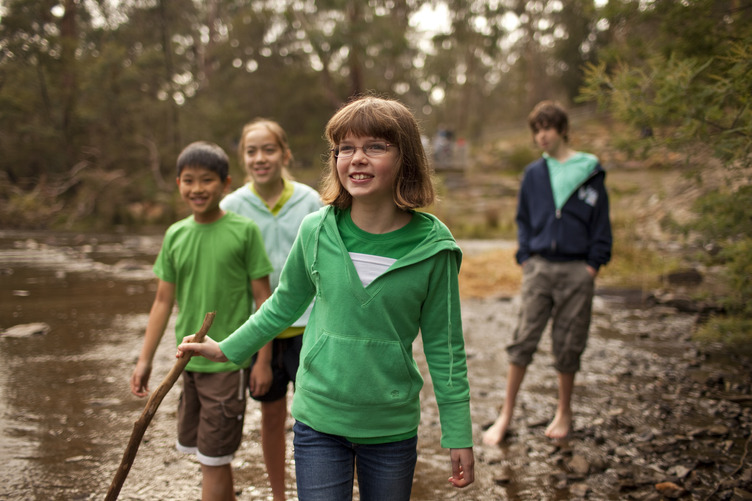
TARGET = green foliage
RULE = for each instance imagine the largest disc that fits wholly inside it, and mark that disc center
(520, 157)
(122, 88)
(732, 331)
(723, 215)
(738, 256)
(491, 226)
(632, 263)
(24, 208)
(703, 98)
(694, 92)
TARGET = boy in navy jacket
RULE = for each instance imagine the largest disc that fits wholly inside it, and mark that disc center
(564, 237)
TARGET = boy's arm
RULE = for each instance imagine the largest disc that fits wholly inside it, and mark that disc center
(158, 318)
(602, 238)
(522, 219)
(261, 374)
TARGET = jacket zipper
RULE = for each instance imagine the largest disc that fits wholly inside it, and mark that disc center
(558, 211)
(553, 241)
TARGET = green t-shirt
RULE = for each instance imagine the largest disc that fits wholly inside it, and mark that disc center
(394, 244)
(212, 266)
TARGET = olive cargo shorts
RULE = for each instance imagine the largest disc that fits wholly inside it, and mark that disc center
(562, 291)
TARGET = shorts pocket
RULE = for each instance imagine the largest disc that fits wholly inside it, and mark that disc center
(233, 408)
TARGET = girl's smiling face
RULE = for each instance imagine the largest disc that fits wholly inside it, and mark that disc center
(264, 158)
(368, 178)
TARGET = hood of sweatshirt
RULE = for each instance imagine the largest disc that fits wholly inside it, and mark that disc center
(439, 239)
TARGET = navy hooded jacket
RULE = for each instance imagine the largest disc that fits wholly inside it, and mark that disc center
(580, 230)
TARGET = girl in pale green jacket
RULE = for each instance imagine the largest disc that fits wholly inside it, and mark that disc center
(380, 273)
(277, 204)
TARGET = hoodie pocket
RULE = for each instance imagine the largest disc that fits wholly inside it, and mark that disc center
(359, 371)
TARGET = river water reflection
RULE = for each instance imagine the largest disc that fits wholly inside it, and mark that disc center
(66, 413)
(61, 393)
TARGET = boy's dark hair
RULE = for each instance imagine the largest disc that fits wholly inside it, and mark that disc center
(549, 114)
(207, 155)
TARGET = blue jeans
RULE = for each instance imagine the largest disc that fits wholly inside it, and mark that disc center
(325, 467)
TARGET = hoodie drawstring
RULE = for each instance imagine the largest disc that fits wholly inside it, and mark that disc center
(314, 268)
(449, 314)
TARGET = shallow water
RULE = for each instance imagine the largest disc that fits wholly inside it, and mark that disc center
(644, 401)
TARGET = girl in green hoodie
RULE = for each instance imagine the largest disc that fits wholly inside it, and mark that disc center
(381, 273)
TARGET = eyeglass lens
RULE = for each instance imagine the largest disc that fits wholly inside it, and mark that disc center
(370, 150)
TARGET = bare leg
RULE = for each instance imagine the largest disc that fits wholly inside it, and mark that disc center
(273, 417)
(495, 434)
(562, 422)
(217, 483)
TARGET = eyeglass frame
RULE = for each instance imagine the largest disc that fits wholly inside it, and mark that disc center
(336, 151)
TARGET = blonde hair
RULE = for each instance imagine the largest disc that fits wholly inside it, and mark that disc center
(279, 135)
(389, 120)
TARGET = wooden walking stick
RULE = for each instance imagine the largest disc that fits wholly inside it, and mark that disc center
(139, 427)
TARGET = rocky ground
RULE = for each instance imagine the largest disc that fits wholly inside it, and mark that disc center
(656, 418)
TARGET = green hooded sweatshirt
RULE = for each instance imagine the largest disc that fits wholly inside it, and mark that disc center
(357, 375)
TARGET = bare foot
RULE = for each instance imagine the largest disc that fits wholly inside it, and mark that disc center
(495, 434)
(559, 427)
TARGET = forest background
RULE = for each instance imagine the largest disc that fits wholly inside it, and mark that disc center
(97, 97)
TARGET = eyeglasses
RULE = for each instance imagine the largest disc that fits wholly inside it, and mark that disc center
(370, 150)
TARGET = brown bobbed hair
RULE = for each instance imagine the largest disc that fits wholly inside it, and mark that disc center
(391, 121)
(279, 135)
(549, 114)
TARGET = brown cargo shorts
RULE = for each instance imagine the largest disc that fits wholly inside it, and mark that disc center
(210, 415)
(563, 293)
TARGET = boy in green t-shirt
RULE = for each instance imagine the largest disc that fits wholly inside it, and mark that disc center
(210, 261)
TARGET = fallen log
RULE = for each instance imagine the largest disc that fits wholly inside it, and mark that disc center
(139, 427)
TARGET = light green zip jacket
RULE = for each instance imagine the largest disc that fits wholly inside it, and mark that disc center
(357, 376)
(279, 230)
